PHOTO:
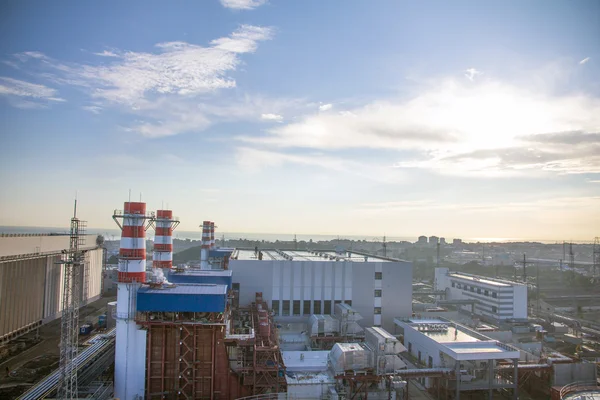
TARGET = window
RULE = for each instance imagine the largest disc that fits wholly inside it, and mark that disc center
(349, 302)
(378, 293)
(486, 293)
(378, 276)
(458, 286)
(306, 310)
(286, 308)
(274, 306)
(478, 290)
(494, 309)
(327, 306)
(296, 310)
(410, 347)
(419, 357)
(472, 289)
(494, 294)
(377, 310)
(336, 302)
(317, 305)
(430, 362)
(235, 286)
(453, 284)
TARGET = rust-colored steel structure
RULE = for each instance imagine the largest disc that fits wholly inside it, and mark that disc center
(190, 355)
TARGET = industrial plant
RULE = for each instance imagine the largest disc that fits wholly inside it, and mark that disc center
(275, 323)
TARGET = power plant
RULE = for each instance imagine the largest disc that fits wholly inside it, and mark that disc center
(274, 323)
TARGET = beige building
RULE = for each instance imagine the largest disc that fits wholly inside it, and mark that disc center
(31, 279)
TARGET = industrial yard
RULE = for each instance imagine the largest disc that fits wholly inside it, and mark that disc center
(298, 324)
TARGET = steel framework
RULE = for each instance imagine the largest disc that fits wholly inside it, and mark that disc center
(67, 385)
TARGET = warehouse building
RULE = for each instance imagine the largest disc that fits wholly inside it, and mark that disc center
(31, 280)
(303, 283)
(499, 299)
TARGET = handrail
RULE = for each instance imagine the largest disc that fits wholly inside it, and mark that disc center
(577, 387)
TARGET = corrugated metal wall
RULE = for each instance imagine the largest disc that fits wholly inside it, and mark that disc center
(31, 289)
(21, 293)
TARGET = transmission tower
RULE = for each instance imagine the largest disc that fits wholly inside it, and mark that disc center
(596, 258)
(67, 384)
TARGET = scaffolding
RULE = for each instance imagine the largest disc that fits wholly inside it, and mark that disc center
(67, 385)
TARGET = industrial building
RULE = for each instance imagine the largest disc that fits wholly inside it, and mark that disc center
(31, 279)
(499, 299)
(465, 360)
(302, 283)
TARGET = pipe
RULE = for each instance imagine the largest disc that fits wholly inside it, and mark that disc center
(212, 372)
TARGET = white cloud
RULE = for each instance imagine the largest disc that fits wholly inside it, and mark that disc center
(176, 68)
(243, 4)
(106, 53)
(27, 95)
(92, 109)
(584, 60)
(445, 120)
(271, 117)
(325, 107)
(471, 73)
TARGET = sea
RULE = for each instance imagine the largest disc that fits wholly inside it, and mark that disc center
(113, 234)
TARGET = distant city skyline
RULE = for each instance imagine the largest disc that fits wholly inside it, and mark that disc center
(455, 119)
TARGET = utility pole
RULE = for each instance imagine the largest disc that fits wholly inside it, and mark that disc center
(438, 254)
(295, 243)
(385, 247)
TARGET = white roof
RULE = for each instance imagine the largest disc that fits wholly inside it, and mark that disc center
(485, 281)
(305, 361)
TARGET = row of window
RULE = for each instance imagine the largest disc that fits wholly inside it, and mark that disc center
(473, 289)
(296, 305)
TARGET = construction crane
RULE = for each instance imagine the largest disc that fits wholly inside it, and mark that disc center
(69, 333)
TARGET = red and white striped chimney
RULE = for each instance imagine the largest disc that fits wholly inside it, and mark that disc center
(212, 235)
(205, 245)
(163, 239)
(132, 251)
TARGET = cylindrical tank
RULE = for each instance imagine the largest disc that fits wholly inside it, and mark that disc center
(111, 311)
(162, 257)
(132, 252)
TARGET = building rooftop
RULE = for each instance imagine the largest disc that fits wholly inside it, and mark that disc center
(304, 255)
(305, 361)
(459, 342)
(486, 281)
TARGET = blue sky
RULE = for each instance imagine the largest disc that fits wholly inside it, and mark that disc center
(461, 119)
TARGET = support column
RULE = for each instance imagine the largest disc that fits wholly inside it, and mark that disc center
(491, 378)
(516, 379)
(457, 373)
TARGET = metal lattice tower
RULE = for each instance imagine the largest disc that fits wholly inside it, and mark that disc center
(67, 384)
(596, 257)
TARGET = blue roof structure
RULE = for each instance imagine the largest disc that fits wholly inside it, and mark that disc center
(217, 277)
(183, 298)
(220, 253)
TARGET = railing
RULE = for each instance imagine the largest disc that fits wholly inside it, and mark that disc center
(577, 387)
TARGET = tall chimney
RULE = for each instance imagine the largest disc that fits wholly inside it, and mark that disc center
(205, 245)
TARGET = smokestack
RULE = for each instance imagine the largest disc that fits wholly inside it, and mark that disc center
(212, 235)
(163, 239)
(205, 245)
(130, 346)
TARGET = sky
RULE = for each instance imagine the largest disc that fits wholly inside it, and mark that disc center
(397, 118)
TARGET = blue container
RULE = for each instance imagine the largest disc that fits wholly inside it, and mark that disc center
(85, 329)
(183, 298)
(102, 320)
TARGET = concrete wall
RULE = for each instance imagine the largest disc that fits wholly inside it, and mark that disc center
(574, 372)
(397, 293)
